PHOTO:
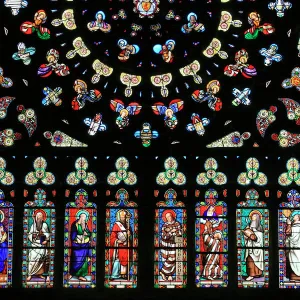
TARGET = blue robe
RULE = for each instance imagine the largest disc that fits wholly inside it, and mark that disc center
(79, 252)
(3, 253)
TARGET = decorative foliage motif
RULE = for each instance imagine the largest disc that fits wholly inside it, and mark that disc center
(170, 242)
(252, 173)
(264, 119)
(40, 173)
(211, 174)
(292, 174)
(4, 104)
(81, 173)
(122, 173)
(80, 241)
(121, 241)
(211, 242)
(171, 173)
(38, 242)
(252, 242)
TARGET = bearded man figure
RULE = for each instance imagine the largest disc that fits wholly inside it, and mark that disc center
(39, 236)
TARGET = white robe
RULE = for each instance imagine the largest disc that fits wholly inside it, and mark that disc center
(38, 252)
(293, 241)
(256, 254)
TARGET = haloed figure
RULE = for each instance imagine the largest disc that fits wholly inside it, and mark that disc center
(38, 255)
(170, 230)
(254, 239)
(3, 249)
(121, 239)
(293, 242)
(80, 252)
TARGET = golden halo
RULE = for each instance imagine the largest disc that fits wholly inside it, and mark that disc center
(255, 212)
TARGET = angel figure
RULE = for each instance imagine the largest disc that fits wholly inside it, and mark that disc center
(83, 95)
(45, 70)
(169, 112)
(127, 50)
(192, 24)
(24, 53)
(241, 66)
(118, 106)
(212, 88)
(40, 18)
(166, 50)
(254, 20)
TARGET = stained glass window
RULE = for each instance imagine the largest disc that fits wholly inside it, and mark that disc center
(211, 242)
(80, 239)
(170, 242)
(6, 241)
(121, 241)
(289, 241)
(38, 242)
(252, 221)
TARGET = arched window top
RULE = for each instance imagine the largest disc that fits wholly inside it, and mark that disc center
(252, 200)
(211, 203)
(122, 198)
(81, 200)
(293, 198)
(170, 200)
(40, 197)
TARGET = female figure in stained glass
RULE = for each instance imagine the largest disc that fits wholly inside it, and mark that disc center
(80, 251)
(121, 240)
(254, 239)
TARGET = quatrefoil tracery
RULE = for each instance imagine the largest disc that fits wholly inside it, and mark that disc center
(252, 173)
(171, 173)
(39, 173)
(122, 173)
(81, 174)
(211, 166)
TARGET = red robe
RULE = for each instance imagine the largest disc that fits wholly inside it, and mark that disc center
(123, 252)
